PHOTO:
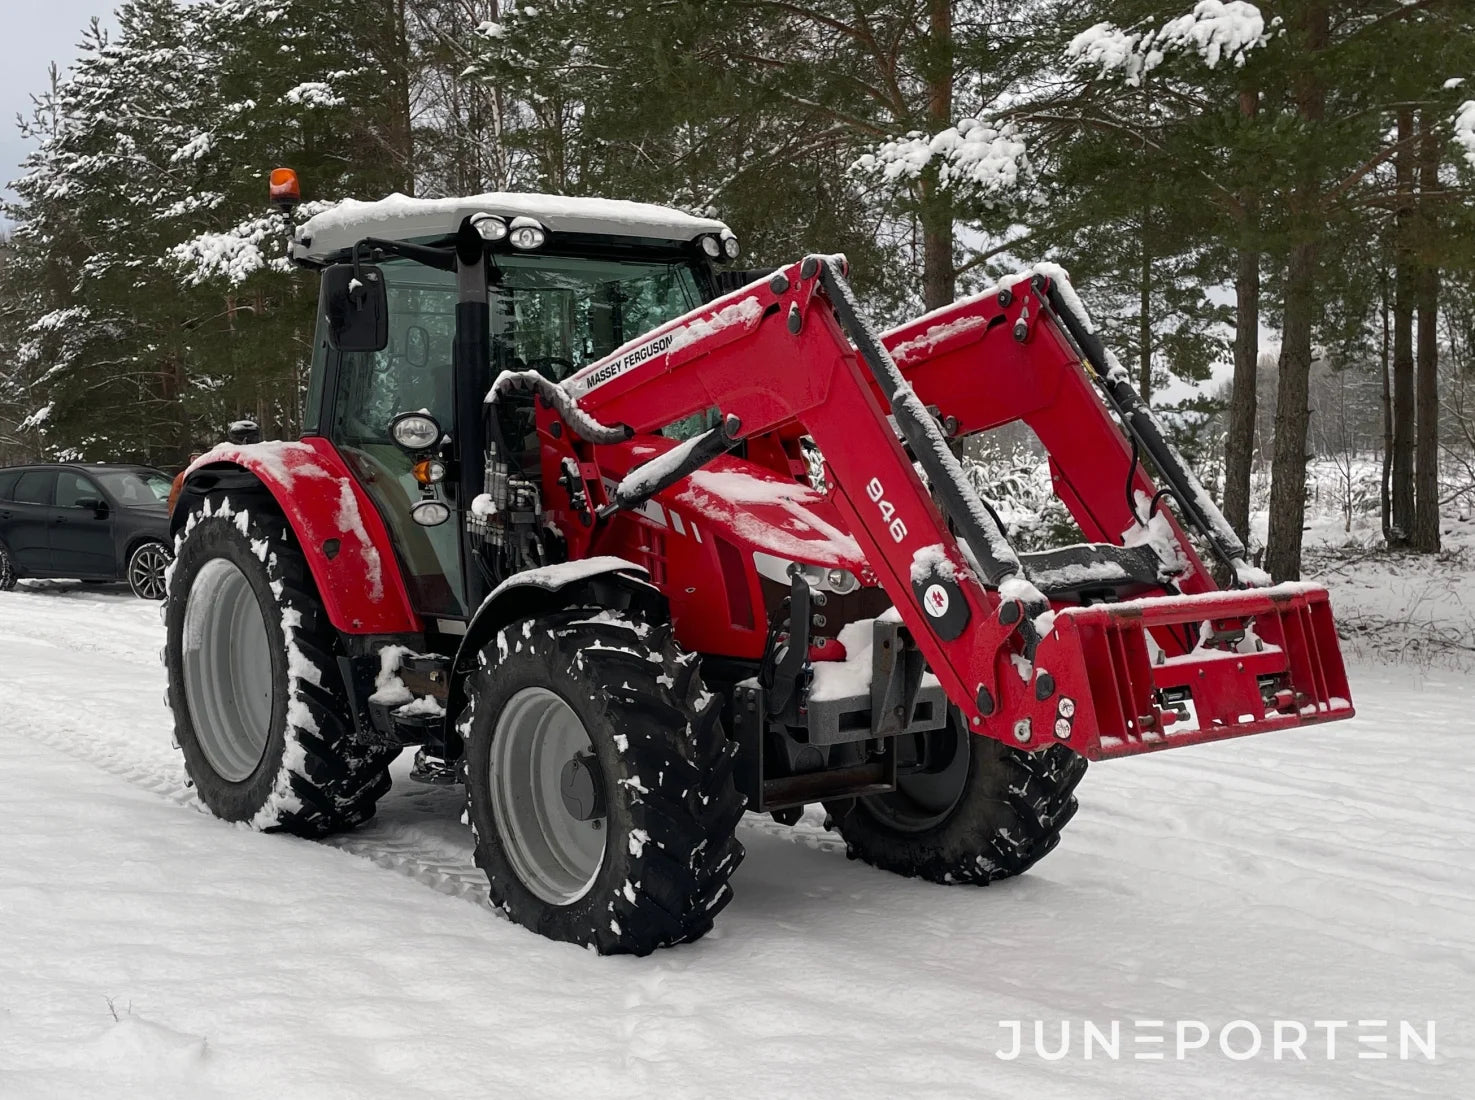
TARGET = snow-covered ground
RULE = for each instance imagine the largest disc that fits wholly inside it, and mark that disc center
(148, 950)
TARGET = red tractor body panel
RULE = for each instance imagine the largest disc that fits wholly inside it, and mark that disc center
(702, 539)
(340, 531)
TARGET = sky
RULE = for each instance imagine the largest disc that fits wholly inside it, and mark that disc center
(37, 32)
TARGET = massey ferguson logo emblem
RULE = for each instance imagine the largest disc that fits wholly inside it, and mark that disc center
(627, 362)
(935, 600)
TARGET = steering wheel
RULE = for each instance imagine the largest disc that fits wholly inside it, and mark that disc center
(555, 368)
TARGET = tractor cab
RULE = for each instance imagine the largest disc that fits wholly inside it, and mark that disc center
(560, 283)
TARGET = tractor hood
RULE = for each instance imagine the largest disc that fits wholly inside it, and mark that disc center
(754, 508)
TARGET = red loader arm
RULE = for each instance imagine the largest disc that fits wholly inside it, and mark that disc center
(793, 354)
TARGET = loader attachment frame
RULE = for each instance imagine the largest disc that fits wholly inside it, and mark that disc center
(794, 356)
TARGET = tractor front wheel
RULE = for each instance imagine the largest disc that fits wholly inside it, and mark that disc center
(260, 710)
(599, 783)
(975, 811)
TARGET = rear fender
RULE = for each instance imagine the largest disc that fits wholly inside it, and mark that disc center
(341, 533)
(611, 584)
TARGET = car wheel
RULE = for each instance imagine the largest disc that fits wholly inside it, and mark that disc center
(146, 568)
(7, 570)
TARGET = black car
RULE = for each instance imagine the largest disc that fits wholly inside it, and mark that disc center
(91, 523)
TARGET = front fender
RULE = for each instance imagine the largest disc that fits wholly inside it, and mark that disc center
(342, 535)
(612, 584)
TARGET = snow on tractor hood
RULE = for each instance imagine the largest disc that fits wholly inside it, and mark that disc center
(753, 508)
(400, 217)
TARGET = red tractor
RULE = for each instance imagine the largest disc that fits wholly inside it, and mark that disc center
(628, 541)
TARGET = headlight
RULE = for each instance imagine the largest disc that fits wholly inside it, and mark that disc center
(527, 233)
(430, 513)
(842, 582)
(712, 247)
(415, 431)
(527, 237)
(730, 245)
(491, 227)
(814, 575)
(825, 578)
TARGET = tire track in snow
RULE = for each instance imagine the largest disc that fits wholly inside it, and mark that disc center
(384, 841)
(73, 710)
(87, 729)
(426, 864)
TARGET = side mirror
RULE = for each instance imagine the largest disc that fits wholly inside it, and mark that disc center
(357, 307)
(97, 504)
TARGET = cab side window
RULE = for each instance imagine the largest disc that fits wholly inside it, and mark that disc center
(76, 491)
(414, 371)
(7, 484)
(34, 487)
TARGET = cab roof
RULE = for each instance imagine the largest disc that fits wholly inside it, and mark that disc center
(399, 218)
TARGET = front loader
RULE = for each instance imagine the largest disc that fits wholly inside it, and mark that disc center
(626, 555)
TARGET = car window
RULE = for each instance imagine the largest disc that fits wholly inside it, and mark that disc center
(72, 489)
(34, 487)
(8, 479)
(135, 488)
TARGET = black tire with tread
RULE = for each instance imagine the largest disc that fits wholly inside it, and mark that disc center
(339, 779)
(666, 771)
(1013, 806)
(7, 570)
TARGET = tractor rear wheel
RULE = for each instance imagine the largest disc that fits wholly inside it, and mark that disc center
(260, 710)
(977, 812)
(599, 783)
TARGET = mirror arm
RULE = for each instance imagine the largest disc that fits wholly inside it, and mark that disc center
(442, 259)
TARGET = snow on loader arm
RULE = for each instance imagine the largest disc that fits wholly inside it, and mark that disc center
(793, 355)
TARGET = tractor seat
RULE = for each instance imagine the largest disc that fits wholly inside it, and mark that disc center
(1097, 572)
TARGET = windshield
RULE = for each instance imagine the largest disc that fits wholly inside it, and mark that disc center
(553, 314)
(134, 488)
(556, 314)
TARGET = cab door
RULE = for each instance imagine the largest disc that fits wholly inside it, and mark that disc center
(26, 520)
(411, 374)
(82, 528)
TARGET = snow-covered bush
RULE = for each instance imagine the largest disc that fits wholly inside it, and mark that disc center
(1015, 481)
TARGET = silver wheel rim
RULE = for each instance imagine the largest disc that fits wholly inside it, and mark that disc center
(146, 571)
(555, 856)
(227, 669)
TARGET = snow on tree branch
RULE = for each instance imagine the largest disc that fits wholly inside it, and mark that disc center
(1214, 30)
(38, 418)
(972, 154)
(257, 244)
(196, 148)
(1465, 130)
(314, 93)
